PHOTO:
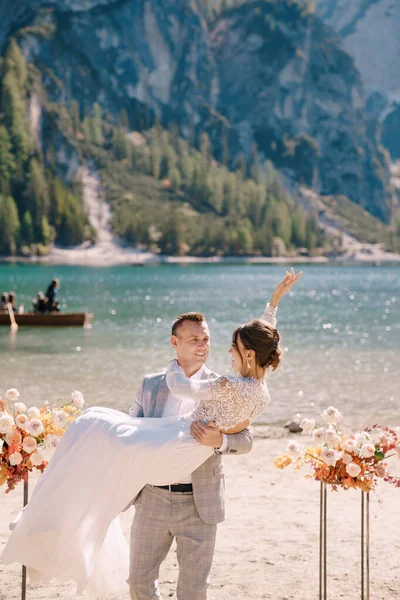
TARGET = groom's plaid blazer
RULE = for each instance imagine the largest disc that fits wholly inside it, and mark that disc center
(209, 479)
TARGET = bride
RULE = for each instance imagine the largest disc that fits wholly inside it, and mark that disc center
(71, 528)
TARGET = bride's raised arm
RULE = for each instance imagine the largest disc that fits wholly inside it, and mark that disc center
(269, 315)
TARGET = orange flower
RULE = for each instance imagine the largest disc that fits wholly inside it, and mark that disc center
(283, 461)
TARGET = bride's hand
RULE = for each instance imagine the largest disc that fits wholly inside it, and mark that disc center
(284, 286)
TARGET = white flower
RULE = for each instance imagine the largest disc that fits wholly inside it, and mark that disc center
(331, 436)
(12, 394)
(367, 450)
(6, 423)
(349, 445)
(78, 399)
(21, 421)
(319, 434)
(29, 445)
(15, 459)
(330, 456)
(36, 459)
(353, 469)
(295, 449)
(52, 441)
(347, 459)
(59, 418)
(1, 445)
(20, 407)
(307, 426)
(361, 439)
(376, 435)
(33, 412)
(34, 427)
(331, 415)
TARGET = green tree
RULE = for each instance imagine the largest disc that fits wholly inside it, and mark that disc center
(27, 233)
(241, 166)
(175, 178)
(9, 225)
(76, 116)
(15, 117)
(205, 147)
(36, 195)
(15, 62)
(172, 238)
(299, 227)
(7, 161)
(96, 123)
(254, 166)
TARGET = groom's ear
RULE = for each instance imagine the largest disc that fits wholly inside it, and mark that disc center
(174, 341)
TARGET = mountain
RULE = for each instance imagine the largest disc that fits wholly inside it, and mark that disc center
(369, 32)
(262, 80)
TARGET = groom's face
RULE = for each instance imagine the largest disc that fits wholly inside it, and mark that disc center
(192, 343)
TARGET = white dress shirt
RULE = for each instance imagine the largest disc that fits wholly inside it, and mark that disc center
(174, 407)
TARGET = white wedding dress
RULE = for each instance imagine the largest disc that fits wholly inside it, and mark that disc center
(71, 528)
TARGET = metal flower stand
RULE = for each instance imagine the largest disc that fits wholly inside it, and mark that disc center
(365, 595)
(23, 587)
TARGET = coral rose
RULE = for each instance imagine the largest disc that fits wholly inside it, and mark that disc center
(21, 421)
(14, 438)
(37, 459)
(29, 445)
(353, 469)
(15, 459)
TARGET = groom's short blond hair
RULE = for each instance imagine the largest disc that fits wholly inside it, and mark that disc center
(197, 317)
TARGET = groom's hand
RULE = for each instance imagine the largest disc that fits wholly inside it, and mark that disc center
(207, 435)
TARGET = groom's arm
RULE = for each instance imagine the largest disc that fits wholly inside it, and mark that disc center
(223, 443)
(237, 443)
(136, 410)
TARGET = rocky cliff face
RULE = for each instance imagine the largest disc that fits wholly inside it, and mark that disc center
(150, 58)
(286, 84)
(267, 72)
(369, 30)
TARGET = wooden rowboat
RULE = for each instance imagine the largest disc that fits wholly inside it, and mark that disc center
(56, 319)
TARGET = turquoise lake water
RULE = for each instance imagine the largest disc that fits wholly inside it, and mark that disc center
(340, 328)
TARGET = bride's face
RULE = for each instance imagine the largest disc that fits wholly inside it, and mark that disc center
(237, 351)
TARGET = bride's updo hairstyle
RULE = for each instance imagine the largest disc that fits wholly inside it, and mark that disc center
(263, 339)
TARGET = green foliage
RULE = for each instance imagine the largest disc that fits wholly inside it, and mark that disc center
(34, 203)
(9, 225)
(27, 232)
(7, 160)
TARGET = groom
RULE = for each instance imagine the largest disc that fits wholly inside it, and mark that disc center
(187, 510)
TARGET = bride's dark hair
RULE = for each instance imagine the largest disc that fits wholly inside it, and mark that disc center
(259, 336)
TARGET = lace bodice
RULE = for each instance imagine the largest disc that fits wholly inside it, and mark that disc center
(225, 400)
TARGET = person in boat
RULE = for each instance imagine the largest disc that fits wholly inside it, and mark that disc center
(40, 304)
(12, 299)
(4, 301)
(51, 293)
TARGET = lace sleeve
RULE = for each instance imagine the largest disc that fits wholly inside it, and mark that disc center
(227, 401)
(269, 315)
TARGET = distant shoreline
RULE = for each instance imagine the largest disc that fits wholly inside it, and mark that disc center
(96, 256)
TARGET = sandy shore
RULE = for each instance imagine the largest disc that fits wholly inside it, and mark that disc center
(268, 546)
